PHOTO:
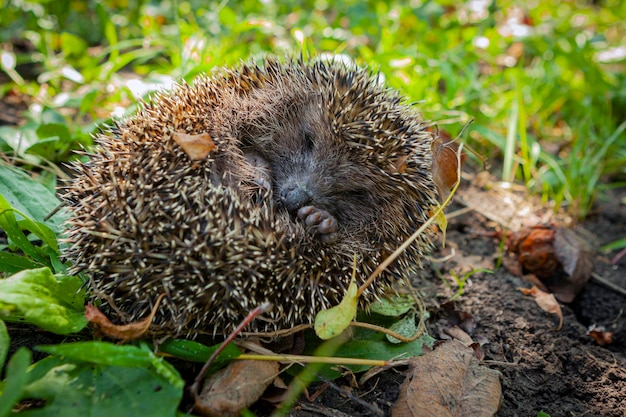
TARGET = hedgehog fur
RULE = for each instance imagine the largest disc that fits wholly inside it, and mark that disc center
(315, 162)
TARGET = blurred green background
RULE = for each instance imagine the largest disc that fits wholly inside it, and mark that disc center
(544, 81)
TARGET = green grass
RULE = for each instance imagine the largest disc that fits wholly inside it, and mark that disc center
(545, 102)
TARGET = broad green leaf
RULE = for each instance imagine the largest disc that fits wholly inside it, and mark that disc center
(367, 344)
(13, 230)
(16, 380)
(405, 327)
(109, 354)
(12, 263)
(72, 388)
(4, 344)
(333, 321)
(54, 303)
(197, 352)
(29, 197)
(393, 306)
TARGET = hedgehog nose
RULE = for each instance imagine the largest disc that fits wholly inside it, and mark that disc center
(294, 197)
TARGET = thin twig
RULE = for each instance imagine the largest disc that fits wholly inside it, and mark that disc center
(607, 284)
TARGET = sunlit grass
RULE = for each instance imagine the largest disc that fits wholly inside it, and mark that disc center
(544, 84)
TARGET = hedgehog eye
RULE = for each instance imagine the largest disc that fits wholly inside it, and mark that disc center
(308, 141)
(357, 194)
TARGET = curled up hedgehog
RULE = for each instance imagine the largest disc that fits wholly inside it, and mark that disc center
(310, 163)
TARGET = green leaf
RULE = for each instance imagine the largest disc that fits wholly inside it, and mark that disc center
(197, 352)
(14, 231)
(72, 45)
(54, 303)
(72, 388)
(16, 380)
(12, 263)
(109, 354)
(405, 327)
(394, 306)
(4, 344)
(30, 197)
(366, 344)
(333, 321)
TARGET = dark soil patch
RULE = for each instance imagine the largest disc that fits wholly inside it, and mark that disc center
(562, 373)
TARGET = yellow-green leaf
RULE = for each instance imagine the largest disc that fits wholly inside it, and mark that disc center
(333, 321)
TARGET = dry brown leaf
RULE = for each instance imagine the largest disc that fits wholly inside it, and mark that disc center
(239, 385)
(546, 301)
(445, 166)
(197, 147)
(124, 332)
(576, 257)
(600, 335)
(449, 382)
(556, 255)
(502, 205)
(536, 251)
(468, 263)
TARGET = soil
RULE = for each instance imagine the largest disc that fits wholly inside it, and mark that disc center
(559, 372)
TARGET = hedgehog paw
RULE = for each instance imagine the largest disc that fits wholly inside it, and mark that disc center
(319, 221)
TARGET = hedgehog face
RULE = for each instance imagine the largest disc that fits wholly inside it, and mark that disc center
(310, 167)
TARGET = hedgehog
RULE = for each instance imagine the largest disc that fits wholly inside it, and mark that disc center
(314, 162)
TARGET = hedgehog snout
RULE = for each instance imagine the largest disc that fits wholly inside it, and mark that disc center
(294, 196)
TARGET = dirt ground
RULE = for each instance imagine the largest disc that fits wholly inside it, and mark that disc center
(562, 373)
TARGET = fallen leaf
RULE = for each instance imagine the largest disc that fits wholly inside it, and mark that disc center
(228, 391)
(536, 251)
(600, 335)
(558, 256)
(405, 326)
(445, 166)
(463, 319)
(124, 332)
(502, 205)
(576, 257)
(197, 147)
(333, 321)
(449, 382)
(546, 301)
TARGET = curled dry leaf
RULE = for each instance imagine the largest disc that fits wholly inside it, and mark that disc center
(558, 256)
(600, 335)
(445, 166)
(197, 147)
(228, 391)
(449, 382)
(123, 332)
(546, 301)
(576, 257)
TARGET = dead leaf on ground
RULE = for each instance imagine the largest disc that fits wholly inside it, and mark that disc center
(546, 301)
(228, 391)
(449, 382)
(460, 325)
(123, 332)
(197, 147)
(576, 257)
(600, 335)
(558, 256)
(512, 210)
